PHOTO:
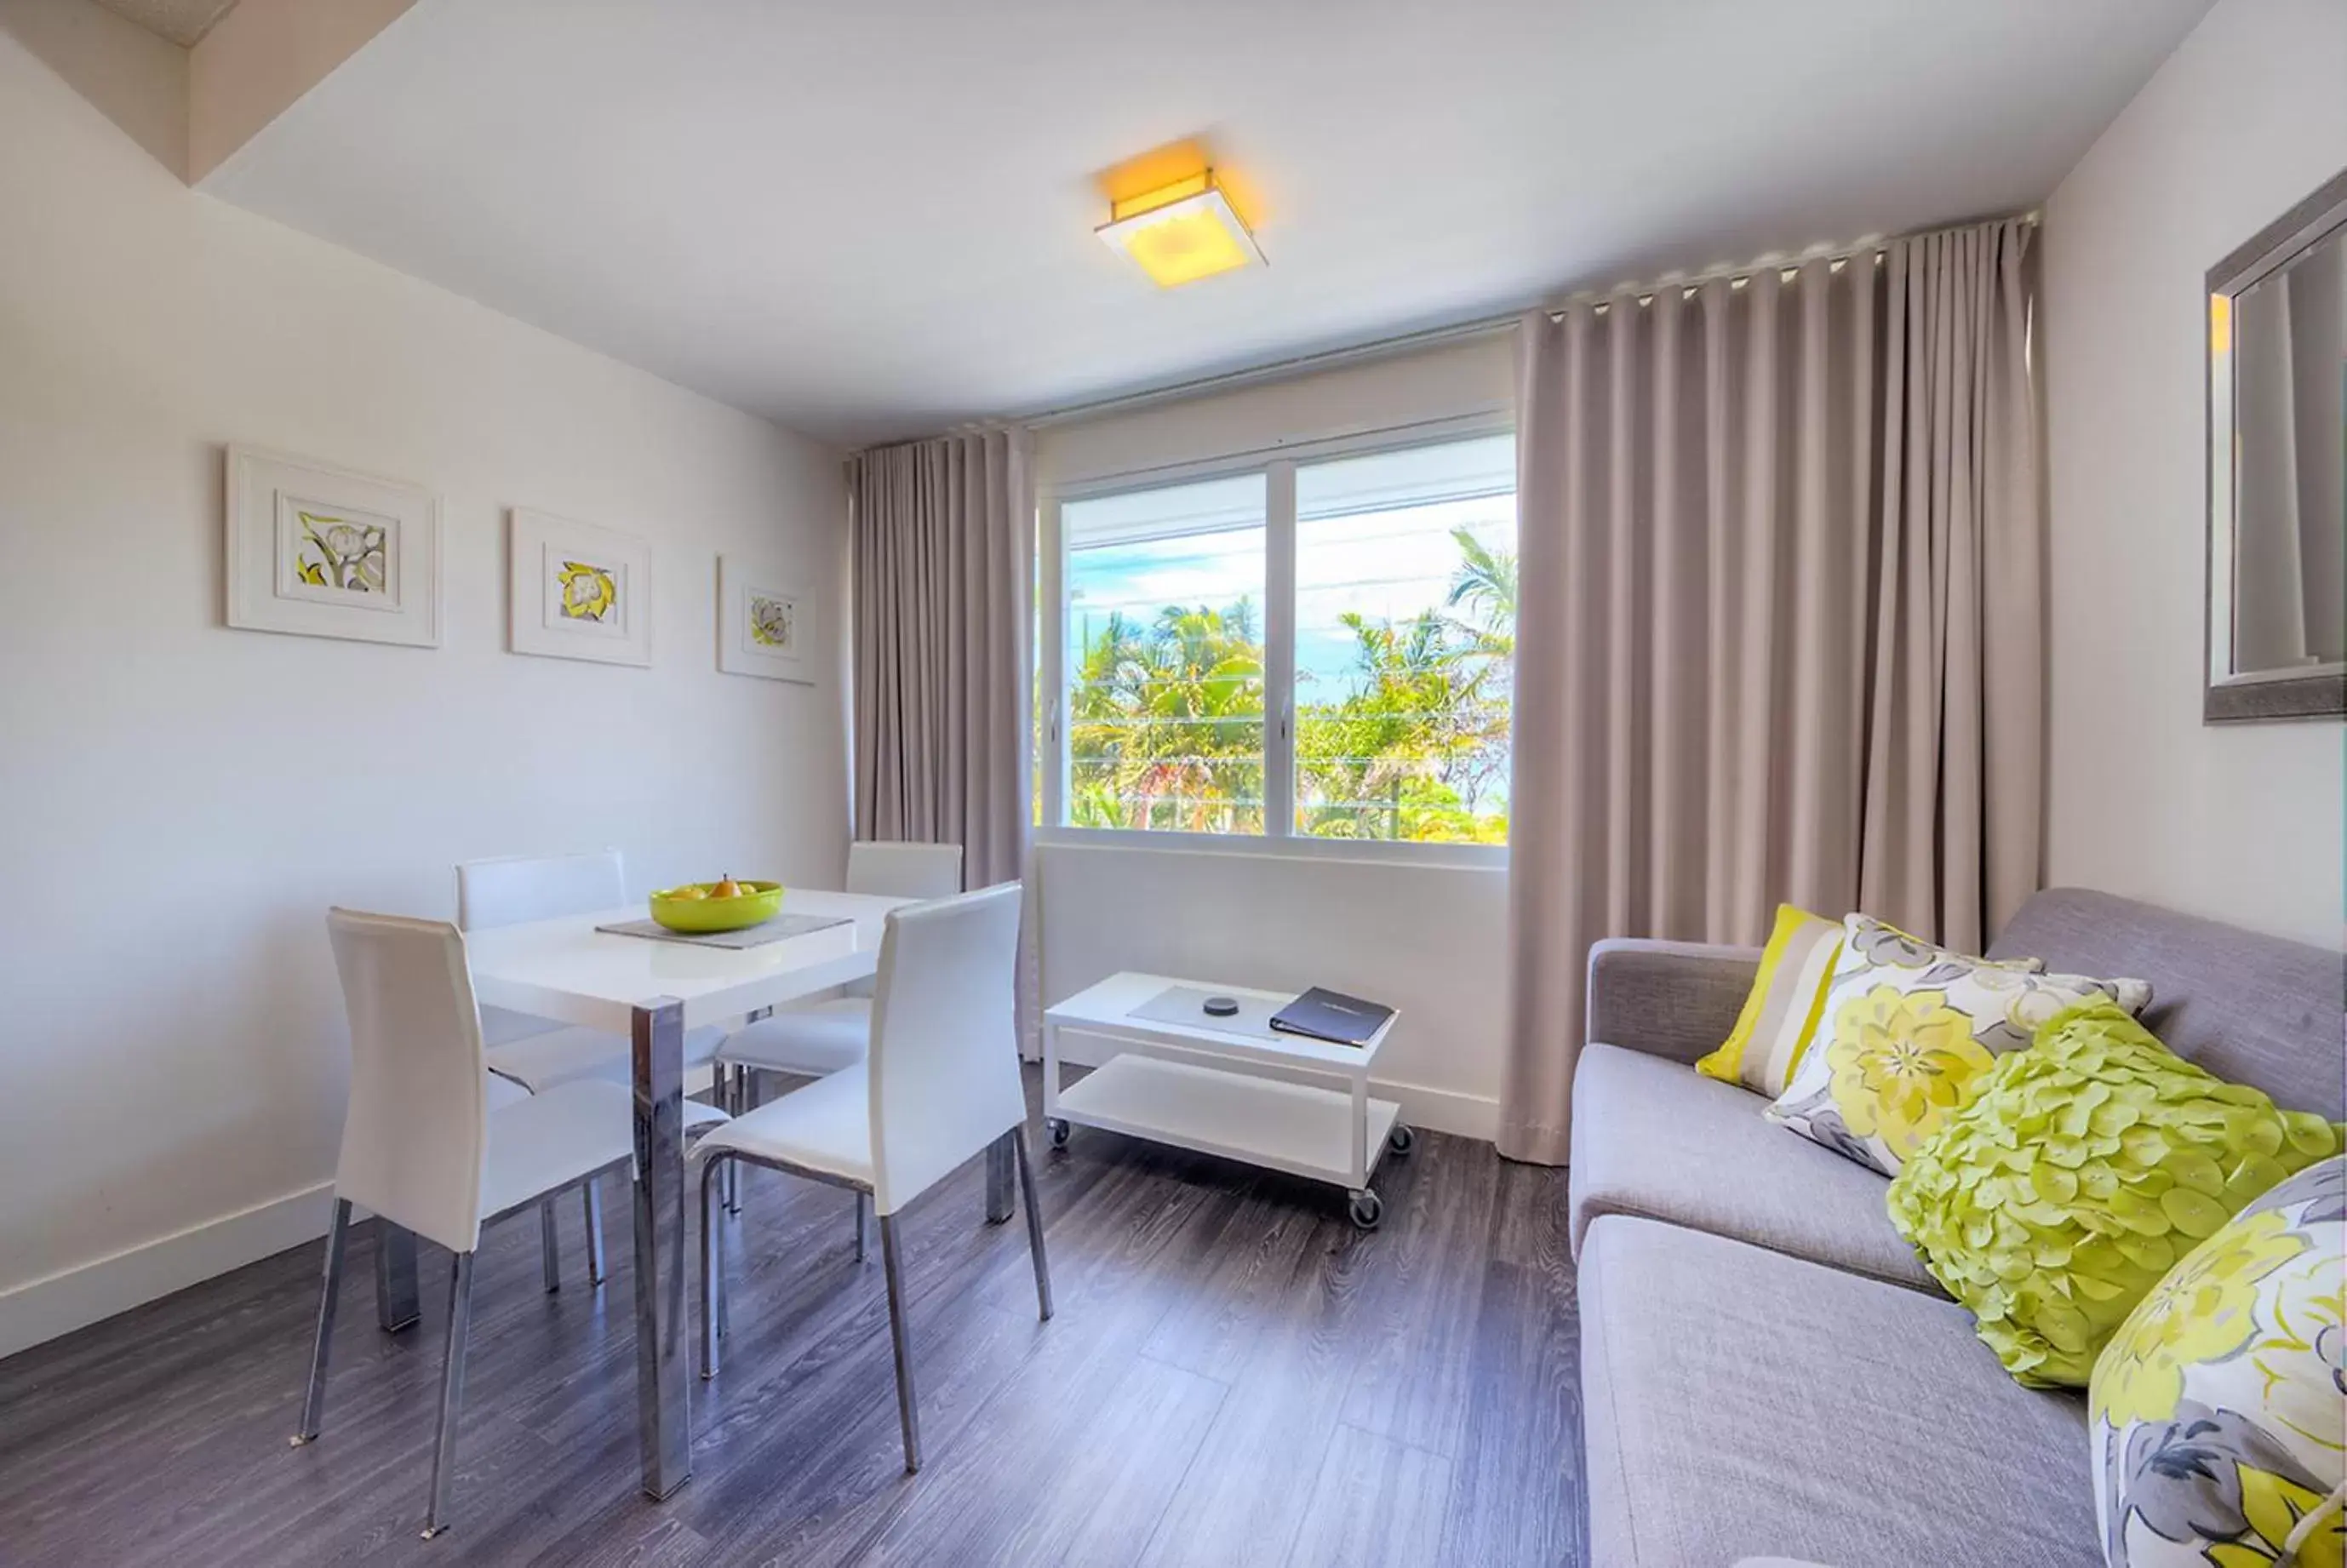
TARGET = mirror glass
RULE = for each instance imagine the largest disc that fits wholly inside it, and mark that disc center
(2289, 425)
(2277, 474)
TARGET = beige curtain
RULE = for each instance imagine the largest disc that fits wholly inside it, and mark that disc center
(1781, 635)
(944, 567)
(942, 552)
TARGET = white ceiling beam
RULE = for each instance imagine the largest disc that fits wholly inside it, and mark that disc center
(259, 59)
(133, 77)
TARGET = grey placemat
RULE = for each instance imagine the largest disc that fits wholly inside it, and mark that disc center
(1186, 1005)
(782, 927)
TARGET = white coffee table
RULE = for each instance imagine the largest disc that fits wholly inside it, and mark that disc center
(1187, 1083)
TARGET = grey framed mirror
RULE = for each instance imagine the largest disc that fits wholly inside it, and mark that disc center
(2277, 335)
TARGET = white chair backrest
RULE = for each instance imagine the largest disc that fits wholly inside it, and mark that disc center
(904, 870)
(944, 1046)
(517, 888)
(900, 871)
(416, 1133)
(514, 889)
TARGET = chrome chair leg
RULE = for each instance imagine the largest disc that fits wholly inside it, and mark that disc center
(754, 1094)
(737, 1100)
(863, 1217)
(452, 1394)
(908, 1408)
(550, 1246)
(712, 1263)
(591, 1195)
(1034, 1224)
(313, 1402)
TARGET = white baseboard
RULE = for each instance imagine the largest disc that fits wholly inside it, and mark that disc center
(75, 1297)
(1438, 1110)
(1450, 1110)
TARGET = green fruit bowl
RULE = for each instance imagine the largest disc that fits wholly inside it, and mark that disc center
(676, 909)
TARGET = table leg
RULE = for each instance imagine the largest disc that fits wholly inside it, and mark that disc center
(397, 1303)
(663, 1382)
(1360, 1129)
(1050, 1071)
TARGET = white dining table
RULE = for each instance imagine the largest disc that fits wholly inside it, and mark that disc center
(652, 992)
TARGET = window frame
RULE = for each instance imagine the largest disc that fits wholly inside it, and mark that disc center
(1278, 464)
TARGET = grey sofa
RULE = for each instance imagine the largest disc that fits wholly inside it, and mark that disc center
(1766, 1371)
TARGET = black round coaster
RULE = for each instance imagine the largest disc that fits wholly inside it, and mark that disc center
(1221, 1007)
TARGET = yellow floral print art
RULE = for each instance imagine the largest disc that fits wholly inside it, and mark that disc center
(589, 592)
(1901, 1061)
(334, 552)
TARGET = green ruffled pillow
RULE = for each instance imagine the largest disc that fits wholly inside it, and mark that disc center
(2080, 1169)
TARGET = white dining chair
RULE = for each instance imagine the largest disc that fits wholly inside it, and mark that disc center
(824, 1037)
(815, 1038)
(422, 1147)
(942, 1084)
(539, 1053)
(512, 890)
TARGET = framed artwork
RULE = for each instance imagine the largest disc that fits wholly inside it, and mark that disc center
(578, 591)
(320, 551)
(763, 626)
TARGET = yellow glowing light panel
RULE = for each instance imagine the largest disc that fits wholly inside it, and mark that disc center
(1183, 232)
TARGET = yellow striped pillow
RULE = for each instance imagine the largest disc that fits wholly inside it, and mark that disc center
(1780, 1016)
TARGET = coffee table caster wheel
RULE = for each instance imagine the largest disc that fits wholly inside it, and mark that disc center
(1401, 1140)
(1057, 1132)
(1367, 1209)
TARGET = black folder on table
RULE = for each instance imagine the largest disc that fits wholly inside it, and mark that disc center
(1332, 1016)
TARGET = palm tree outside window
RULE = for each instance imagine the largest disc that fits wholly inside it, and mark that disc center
(1403, 623)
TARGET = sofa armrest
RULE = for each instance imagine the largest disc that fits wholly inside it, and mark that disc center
(1674, 999)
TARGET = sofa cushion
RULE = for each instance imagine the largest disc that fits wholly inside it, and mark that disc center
(1908, 1029)
(1772, 1034)
(2251, 1010)
(2077, 1175)
(1654, 1138)
(2219, 1406)
(1742, 1403)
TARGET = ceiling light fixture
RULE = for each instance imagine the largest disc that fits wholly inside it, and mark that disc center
(1181, 232)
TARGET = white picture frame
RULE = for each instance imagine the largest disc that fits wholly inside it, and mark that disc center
(764, 627)
(576, 591)
(316, 550)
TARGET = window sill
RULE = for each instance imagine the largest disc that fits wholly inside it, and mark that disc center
(1471, 856)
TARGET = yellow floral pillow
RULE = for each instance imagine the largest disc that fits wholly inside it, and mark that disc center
(1908, 1027)
(2219, 1407)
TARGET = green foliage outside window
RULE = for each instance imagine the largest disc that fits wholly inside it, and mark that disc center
(1166, 720)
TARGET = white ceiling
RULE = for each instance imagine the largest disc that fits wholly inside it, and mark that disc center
(871, 221)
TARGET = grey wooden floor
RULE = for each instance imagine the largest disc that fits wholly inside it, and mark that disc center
(1236, 1377)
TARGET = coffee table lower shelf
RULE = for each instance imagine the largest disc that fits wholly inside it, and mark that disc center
(1291, 1127)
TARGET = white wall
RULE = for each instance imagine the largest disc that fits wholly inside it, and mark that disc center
(179, 802)
(2240, 822)
(1426, 938)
